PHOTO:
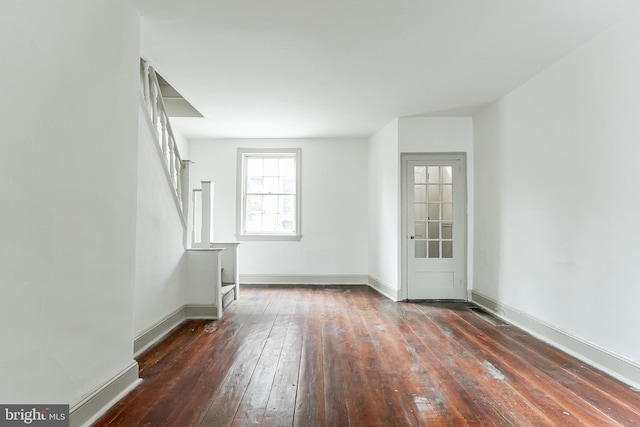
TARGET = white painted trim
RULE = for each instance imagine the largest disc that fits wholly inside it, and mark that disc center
(242, 153)
(208, 311)
(160, 329)
(615, 365)
(269, 237)
(98, 402)
(87, 410)
(303, 279)
(156, 332)
(405, 157)
(384, 289)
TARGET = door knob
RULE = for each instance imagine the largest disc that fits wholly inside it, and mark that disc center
(412, 237)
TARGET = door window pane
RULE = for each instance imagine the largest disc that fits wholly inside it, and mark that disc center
(434, 193)
(433, 207)
(420, 174)
(434, 230)
(447, 193)
(447, 174)
(447, 249)
(420, 212)
(447, 212)
(434, 249)
(434, 211)
(434, 174)
(447, 230)
(420, 193)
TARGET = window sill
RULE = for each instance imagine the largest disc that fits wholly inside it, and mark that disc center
(269, 237)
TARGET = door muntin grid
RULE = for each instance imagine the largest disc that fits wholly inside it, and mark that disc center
(433, 211)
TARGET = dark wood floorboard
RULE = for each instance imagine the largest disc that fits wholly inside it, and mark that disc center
(346, 356)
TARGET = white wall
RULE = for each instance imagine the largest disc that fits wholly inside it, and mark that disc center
(182, 143)
(334, 206)
(160, 258)
(557, 200)
(67, 196)
(443, 135)
(383, 204)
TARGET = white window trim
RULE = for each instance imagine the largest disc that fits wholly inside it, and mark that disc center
(240, 190)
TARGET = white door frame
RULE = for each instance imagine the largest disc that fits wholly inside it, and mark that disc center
(404, 235)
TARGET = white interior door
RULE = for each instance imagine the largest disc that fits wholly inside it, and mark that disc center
(435, 227)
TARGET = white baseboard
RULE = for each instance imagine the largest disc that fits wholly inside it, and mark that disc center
(88, 409)
(617, 366)
(384, 289)
(98, 402)
(303, 279)
(155, 333)
(193, 311)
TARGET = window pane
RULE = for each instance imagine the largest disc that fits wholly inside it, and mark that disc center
(288, 185)
(447, 249)
(287, 167)
(286, 223)
(254, 204)
(270, 222)
(420, 230)
(254, 167)
(270, 185)
(419, 174)
(287, 204)
(254, 222)
(420, 249)
(270, 204)
(255, 184)
(271, 167)
(434, 174)
(434, 249)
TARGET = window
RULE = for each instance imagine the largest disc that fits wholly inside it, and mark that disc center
(268, 194)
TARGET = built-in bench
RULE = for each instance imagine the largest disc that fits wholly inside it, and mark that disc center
(230, 277)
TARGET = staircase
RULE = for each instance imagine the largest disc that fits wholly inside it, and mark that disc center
(215, 268)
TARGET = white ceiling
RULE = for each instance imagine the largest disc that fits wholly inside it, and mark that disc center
(339, 68)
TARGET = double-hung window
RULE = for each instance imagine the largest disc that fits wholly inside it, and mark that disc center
(268, 194)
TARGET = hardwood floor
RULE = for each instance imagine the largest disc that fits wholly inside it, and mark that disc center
(346, 356)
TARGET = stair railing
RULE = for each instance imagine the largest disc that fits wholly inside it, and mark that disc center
(162, 126)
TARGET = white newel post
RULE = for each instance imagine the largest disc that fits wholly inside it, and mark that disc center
(206, 233)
